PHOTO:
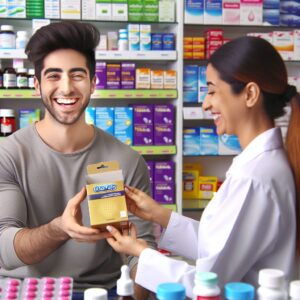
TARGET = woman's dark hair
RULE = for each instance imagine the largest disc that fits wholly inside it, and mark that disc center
(82, 37)
(252, 59)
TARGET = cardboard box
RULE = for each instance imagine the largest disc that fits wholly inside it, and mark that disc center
(105, 194)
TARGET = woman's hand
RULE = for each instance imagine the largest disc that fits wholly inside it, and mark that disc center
(126, 243)
(143, 206)
(140, 204)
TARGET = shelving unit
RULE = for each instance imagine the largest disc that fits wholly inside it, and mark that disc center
(17, 99)
(193, 115)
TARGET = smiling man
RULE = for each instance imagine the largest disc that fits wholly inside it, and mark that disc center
(44, 222)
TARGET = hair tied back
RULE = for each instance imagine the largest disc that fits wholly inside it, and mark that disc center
(289, 93)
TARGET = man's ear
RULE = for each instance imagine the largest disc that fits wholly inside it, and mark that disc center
(37, 86)
(252, 94)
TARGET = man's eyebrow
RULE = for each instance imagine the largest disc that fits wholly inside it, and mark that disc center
(58, 70)
(78, 70)
(49, 70)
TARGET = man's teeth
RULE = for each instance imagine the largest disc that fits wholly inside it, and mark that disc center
(65, 101)
(215, 117)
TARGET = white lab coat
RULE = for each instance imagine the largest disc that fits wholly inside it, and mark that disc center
(249, 225)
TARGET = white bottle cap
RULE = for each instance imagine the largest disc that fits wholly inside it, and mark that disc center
(21, 70)
(7, 28)
(7, 112)
(125, 283)
(271, 278)
(295, 289)
(95, 294)
(31, 72)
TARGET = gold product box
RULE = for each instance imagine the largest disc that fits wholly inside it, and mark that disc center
(106, 196)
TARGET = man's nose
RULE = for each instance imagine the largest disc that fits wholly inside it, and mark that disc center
(66, 85)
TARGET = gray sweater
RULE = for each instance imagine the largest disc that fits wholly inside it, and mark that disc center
(36, 183)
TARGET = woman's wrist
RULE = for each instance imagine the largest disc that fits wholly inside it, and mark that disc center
(163, 216)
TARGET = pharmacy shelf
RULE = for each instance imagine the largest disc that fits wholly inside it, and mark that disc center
(147, 150)
(105, 55)
(12, 54)
(155, 150)
(98, 94)
(194, 203)
(136, 55)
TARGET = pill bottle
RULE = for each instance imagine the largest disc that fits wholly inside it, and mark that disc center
(7, 122)
(125, 286)
(206, 286)
(95, 294)
(170, 291)
(9, 78)
(22, 78)
(7, 37)
(294, 290)
(31, 78)
(21, 39)
(239, 291)
(271, 285)
(123, 44)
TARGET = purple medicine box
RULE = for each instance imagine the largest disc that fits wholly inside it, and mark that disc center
(101, 75)
(113, 73)
(143, 135)
(163, 135)
(128, 76)
(143, 124)
(164, 114)
(164, 171)
(164, 192)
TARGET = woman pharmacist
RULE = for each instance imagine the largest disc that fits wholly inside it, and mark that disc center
(250, 224)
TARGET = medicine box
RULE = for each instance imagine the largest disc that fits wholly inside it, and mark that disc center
(191, 141)
(90, 115)
(207, 186)
(105, 119)
(123, 121)
(106, 196)
(208, 141)
(193, 11)
(190, 84)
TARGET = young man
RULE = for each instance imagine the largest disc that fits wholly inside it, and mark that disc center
(43, 218)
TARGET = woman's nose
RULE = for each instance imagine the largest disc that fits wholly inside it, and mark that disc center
(206, 103)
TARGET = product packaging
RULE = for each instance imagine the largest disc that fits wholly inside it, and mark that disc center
(105, 194)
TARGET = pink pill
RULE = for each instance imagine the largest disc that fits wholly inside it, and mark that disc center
(63, 298)
(12, 289)
(11, 295)
(66, 279)
(48, 287)
(13, 282)
(65, 286)
(32, 281)
(47, 294)
(47, 298)
(30, 294)
(64, 293)
(49, 280)
(32, 288)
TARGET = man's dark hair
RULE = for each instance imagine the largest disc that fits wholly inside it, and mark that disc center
(82, 37)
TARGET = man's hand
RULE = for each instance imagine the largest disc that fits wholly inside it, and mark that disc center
(71, 222)
(128, 243)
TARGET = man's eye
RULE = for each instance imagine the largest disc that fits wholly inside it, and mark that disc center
(53, 76)
(210, 93)
(78, 76)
